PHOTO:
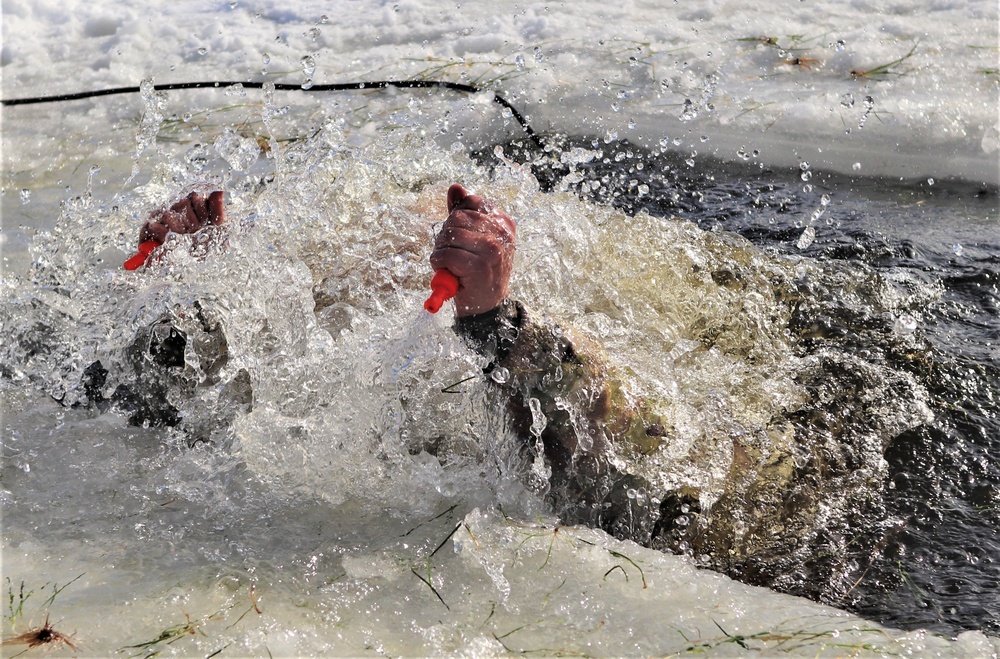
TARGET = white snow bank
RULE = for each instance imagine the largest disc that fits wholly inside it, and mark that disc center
(769, 83)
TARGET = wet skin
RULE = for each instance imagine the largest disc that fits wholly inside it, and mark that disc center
(189, 215)
(476, 244)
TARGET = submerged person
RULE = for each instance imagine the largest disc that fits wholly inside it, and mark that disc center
(563, 398)
(760, 496)
(181, 350)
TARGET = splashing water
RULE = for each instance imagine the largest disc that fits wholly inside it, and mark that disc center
(344, 412)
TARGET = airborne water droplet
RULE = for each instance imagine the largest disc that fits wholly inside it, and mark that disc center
(690, 112)
(807, 238)
(500, 375)
(308, 64)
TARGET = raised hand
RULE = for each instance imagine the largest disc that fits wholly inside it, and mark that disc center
(476, 244)
(190, 214)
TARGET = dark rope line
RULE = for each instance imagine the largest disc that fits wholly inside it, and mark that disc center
(281, 86)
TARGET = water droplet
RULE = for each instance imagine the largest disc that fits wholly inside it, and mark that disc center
(500, 375)
(807, 188)
(847, 100)
(704, 138)
(308, 65)
(539, 57)
(308, 84)
(804, 166)
(239, 151)
(25, 195)
(202, 50)
(631, 124)
(233, 4)
(957, 249)
(905, 324)
(538, 420)
(869, 103)
(265, 58)
(519, 62)
(856, 167)
(314, 33)
(690, 113)
(840, 45)
(632, 61)
(610, 137)
(807, 238)
(643, 189)
(806, 175)
(930, 181)
(395, 7)
(616, 106)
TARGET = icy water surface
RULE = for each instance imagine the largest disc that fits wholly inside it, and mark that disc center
(344, 482)
(926, 551)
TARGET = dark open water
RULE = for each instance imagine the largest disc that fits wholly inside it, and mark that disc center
(925, 552)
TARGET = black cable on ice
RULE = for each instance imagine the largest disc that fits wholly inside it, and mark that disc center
(280, 86)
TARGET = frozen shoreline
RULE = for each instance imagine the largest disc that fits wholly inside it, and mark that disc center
(778, 84)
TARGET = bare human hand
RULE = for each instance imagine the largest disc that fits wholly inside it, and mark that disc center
(190, 214)
(476, 244)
